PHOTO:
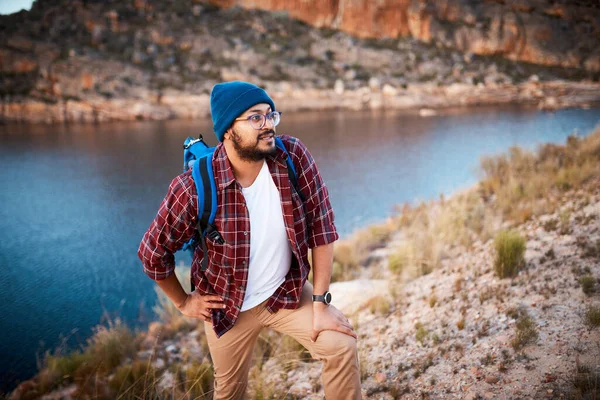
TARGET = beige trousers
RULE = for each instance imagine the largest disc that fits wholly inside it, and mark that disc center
(232, 353)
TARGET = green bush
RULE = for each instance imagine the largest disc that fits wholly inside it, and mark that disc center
(588, 284)
(134, 381)
(421, 333)
(592, 316)
(380, 305)
(399, 260)
(526, 332)
(510, 253)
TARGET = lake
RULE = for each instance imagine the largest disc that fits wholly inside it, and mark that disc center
(76, 200)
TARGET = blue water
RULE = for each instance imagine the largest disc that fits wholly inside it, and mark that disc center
(76, 200)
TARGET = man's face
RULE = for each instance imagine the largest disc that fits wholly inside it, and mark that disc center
(252, 144)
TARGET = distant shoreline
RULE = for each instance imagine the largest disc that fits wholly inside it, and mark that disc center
(426, 99)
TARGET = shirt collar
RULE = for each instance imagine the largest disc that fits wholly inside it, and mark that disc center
(222, 167)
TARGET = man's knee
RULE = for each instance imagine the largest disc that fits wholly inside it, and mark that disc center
(337, 345)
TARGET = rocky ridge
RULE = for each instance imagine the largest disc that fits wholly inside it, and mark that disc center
(555, 33)
(92, 61)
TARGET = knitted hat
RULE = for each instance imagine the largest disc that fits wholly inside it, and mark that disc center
(229, 100)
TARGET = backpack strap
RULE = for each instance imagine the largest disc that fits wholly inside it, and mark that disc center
(206, 188)
(291, 169)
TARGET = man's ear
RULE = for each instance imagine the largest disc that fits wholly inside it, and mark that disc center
(227, 134)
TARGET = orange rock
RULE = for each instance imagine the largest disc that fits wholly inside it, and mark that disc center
(516, 30)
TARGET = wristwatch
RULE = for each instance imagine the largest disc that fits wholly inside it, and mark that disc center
(325, 298)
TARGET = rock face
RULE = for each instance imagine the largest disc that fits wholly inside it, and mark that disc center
(94, 61)
(555, 33)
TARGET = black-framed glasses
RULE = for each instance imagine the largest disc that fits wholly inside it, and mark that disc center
(258, 121)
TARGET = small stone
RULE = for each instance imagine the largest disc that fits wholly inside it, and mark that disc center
(471, 396)
(389, 90)
(338, 87)
(172, 348)
(491, 379)
(374, 83)
(159, 363)
(488, 395)
(380, 377)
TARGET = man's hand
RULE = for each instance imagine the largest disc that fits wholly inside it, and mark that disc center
(329, 318)
(197, 306)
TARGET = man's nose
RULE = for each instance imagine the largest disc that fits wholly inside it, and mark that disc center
(269, 123)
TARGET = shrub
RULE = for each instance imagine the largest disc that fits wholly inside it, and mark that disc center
(586, 382)
(592, 316)
(111, 345)
(63, 368)
(433, 300)
(199, 380)
(379, 305)
(345, 263)
(397, 261)
(588, 284)
(510, 253)
(133, 381)
(526, 332)
(421, 333)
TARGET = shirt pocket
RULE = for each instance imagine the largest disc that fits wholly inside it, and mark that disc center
(220, 255)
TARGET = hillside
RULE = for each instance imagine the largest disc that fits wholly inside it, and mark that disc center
(491, 293)
(93, 61)
(562, 33)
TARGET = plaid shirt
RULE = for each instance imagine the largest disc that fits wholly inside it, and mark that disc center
(226, 274)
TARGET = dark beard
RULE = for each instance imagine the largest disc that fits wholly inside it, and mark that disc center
(251, 153)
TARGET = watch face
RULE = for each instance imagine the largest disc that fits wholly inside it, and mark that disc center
(327, 298)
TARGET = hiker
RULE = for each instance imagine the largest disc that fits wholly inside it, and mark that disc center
(254, 274)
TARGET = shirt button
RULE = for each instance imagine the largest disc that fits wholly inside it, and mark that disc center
(245, 233)
(242, 287)
(244, 262)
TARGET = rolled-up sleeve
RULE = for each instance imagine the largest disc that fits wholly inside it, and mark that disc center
(319, 213)
(173, 226)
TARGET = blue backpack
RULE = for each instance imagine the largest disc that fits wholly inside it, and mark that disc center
(198, 156)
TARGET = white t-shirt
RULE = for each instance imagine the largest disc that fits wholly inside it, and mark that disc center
(270, 251)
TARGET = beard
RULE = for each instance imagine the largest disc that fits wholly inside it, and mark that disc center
(252, 152)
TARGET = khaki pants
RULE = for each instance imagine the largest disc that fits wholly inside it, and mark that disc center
(232, 353)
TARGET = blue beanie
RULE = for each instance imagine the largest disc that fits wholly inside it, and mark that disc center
(229, 100)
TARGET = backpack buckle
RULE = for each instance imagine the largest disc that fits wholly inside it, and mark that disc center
(191, 143)
(214, 234)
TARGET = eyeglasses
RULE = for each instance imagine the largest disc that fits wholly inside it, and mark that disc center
(258, 121)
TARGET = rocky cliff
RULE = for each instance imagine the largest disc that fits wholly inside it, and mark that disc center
(559, 33)
(148, 59)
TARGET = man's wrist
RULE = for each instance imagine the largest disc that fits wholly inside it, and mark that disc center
(319, 306)
(182, 302)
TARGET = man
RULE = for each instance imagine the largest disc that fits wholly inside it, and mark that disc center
(256, 276)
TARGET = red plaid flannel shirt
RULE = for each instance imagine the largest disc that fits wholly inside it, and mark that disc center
(227, 270)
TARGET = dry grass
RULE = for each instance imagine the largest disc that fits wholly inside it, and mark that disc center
(510, 253)
(592, 316)
(525, 183)
(379, 305)
(588, 284)
(585, 381)
(352, 253)
(526, 332)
